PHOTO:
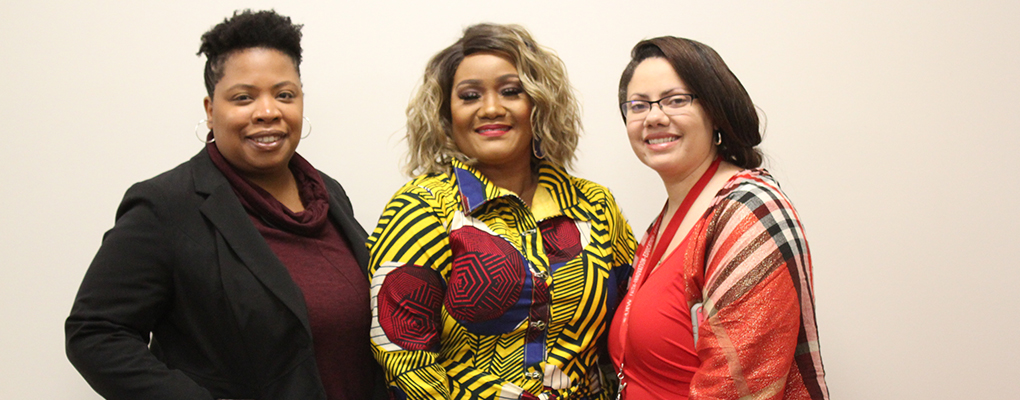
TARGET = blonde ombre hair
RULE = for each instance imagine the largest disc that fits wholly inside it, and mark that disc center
(555, 114)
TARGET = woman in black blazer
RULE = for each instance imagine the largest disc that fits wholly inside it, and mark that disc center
(244, 265)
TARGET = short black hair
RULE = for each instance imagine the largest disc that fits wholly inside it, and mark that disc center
(245, 30)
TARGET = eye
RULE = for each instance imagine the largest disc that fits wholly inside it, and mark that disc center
(286, 95)
(675, 101)
(468, 96)
(511, 91)
(637, 106)
(241, 97)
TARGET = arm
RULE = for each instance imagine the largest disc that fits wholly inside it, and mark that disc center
(409, 250)
(624, 246)
(757, 295)
(125, 293)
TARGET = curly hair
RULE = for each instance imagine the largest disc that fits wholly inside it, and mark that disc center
(720, 93)
(245, 30)
(555, 114)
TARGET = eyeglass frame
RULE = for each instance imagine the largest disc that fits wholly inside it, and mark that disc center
(623, 105)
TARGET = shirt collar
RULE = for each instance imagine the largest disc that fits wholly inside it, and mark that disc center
(476, 190)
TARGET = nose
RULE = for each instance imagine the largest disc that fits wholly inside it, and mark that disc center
(491, 107)
(266, 110)
(656, 116)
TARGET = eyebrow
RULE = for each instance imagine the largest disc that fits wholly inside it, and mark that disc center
(247, 86)
(500, 79)
(665, 93)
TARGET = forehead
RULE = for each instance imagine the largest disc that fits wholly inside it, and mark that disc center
(655, 77)
(259, 62)
(484, 65)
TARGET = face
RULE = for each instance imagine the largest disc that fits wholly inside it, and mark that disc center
(490, 112)
(672, 145)
(255, 112)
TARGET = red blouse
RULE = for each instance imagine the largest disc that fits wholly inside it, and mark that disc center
(746, 260)
(661, 358)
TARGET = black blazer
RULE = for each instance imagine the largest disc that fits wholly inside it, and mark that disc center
(185, 263)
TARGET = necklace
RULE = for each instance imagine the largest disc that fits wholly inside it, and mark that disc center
(652, 251)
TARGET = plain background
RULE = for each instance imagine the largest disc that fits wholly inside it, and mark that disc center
(893, 126)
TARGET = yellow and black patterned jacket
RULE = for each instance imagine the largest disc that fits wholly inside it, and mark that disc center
(477, 296)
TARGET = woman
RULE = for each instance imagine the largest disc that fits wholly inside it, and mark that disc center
(244, 264)
(724, 309)
(494, 272)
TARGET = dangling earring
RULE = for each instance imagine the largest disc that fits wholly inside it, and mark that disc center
(199, 135)
(718, 138)
(309, 123)
(536, 147)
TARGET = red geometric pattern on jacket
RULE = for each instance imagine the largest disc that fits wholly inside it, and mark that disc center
(561, 239)
(409, 300)
(487, 277)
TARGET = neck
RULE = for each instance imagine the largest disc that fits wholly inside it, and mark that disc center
(678, 186)
(518, 179)
(282, 186)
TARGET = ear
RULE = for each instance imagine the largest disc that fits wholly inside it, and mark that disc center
(207, 102)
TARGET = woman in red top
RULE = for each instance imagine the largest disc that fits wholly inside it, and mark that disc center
(721, 304)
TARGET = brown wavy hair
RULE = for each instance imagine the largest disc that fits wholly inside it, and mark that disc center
(555, 114)
(720, 93)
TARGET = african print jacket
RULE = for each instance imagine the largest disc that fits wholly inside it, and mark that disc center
(477, 296)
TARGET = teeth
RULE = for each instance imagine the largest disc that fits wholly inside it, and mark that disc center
(267, 139)
(662, 140)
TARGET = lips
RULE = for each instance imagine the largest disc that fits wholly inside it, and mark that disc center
(492, 129)
(661, 139)
(267, 140)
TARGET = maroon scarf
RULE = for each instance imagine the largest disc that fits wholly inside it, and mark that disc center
(259, 202)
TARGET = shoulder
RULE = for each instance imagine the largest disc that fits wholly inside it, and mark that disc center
(331, 184)
(335, 189)
(756, 190)
(753, 205)
(592, 191)
(571, 188)
(429, 197)
(430, 188)
(170, 186)
(423, 204)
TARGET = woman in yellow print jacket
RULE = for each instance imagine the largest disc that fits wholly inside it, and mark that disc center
(495, 273)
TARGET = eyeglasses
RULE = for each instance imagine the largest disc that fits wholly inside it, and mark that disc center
(670, 105)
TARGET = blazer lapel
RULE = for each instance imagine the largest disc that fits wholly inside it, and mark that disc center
(227, 214)
(352, 231)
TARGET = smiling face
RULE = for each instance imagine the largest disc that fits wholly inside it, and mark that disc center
(255, 112)
(491, 113)
(672, 145)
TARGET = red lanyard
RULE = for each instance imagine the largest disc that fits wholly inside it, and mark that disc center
(643, 258)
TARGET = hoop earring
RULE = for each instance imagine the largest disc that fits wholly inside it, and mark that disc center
(718, 138)
(309, 123)
(536, 147)
(199, 135)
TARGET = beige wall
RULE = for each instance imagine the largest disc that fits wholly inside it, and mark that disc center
(893, 126)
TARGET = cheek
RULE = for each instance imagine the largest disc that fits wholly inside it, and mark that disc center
(634, 131)
(459, 117)
(523, 114)
(227, 117)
